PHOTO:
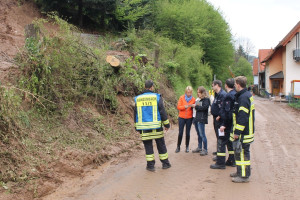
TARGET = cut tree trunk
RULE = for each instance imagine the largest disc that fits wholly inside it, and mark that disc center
(113, 61)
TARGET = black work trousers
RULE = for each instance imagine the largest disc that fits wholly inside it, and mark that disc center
(162, 150)
(217, 125)
(224, 141)
(242, 160)
(187, 123)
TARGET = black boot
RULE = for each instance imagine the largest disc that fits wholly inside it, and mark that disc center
(178, 144)
(187, 149)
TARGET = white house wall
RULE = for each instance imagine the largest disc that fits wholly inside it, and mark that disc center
(255, 80)
(292, 67)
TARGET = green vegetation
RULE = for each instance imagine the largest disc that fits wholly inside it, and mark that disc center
(243, 68)
(68, 98)
(295, 104)
(192, 25)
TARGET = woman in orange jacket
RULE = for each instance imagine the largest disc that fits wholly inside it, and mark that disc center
(185, 105)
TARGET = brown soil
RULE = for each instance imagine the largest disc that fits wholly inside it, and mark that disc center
(274, 162)
(13, 18)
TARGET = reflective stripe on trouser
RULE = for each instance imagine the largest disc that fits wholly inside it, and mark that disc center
(221, 150)
(243, 161)
(152, 134)
(162, 150)
(222, 143)
(230, 151)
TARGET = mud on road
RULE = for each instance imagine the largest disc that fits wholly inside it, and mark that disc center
(274, 161)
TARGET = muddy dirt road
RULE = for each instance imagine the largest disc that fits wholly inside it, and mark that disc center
(274, 158)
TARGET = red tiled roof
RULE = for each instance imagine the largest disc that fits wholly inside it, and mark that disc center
(262, 54)
(284, 41)
(255, 67)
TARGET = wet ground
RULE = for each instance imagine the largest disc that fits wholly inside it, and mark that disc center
(274, 160)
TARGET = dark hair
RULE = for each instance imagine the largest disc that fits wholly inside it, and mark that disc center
(230, 83)
(217, 82)
(148, 84)
(241, 80)
(202, 90)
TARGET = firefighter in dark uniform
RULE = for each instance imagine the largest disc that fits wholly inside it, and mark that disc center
(243, 130)
(150, 117)
(226, 127)
(216, 106)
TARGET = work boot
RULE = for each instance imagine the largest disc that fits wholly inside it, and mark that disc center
(230, 163)
(166, 165)
(151, 169)
(203, 152)
(240, 179)
(197, 150)
(187, 149)
(216, 166)
(234, 174)
(177, 150)
(215, 158)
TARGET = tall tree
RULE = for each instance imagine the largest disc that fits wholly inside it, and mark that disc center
(195, 22)
(131, 11)
(243, 68)
(247, 46)
(100, 12)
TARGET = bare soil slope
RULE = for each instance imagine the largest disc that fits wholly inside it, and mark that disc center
(275, 173)
(13, 18)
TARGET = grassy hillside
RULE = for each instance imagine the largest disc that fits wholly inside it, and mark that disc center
(69, 109)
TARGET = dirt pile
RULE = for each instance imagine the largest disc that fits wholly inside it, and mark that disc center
(14, 15)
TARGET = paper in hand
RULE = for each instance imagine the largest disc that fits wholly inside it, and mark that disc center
(221, 133)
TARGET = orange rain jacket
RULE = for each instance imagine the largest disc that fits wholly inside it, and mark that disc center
(183, 112)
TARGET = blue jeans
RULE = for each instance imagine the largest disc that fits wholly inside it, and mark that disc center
(198, 133)
(201, 128)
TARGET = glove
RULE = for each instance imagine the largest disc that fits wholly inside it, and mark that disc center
(237, 146)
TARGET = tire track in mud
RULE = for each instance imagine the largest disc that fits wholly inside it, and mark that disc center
(278, 134)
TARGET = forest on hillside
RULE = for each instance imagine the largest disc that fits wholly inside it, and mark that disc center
(67, 107)
(194, 24)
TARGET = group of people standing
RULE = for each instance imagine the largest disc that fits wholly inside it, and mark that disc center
(233, 120)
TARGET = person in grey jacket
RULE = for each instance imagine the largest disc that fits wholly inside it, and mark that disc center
(201, 107)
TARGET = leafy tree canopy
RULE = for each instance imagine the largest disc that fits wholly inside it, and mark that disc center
(243, 68)
(195, 22)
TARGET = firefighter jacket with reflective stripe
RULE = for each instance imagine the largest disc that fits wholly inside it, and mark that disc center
(227, 109)
(243, 116)
(150, 115)
(217, 103)
(185, 113)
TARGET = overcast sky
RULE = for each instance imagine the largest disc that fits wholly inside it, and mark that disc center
(263, 22)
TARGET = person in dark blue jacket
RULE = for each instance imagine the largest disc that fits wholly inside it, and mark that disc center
(243, 130)
(216, 106)
(226, 126)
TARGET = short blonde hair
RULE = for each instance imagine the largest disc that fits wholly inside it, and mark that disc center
(188, 88)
